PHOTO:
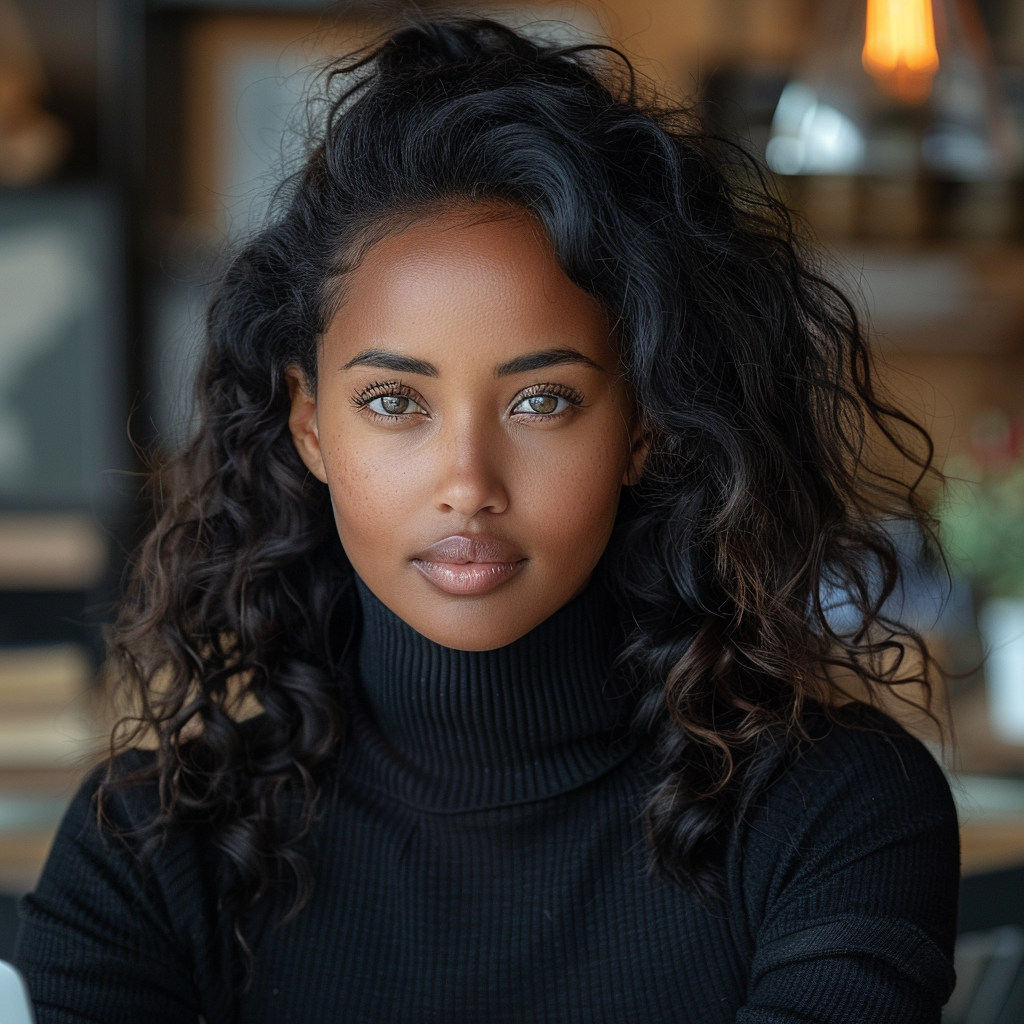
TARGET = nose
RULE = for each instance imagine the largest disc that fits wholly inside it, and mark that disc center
(469, 478)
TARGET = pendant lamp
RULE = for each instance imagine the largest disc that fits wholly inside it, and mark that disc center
(893, 87)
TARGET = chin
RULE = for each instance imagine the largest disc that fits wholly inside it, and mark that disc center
(479, 636)
(477, 623)
(467, 624)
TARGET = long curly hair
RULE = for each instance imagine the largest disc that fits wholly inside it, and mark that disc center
(768, 495)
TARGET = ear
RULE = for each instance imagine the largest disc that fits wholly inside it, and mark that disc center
(302, 422)
(640, 445)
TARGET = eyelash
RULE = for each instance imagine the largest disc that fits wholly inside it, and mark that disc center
(381, 389)
(571, 395)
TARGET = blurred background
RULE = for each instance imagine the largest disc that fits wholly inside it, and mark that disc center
(140, 138)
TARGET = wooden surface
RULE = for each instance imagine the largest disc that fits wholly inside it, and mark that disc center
(21, 860)
(987, 845)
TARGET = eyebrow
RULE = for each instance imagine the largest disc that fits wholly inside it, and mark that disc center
(384, 360)
(540, 360)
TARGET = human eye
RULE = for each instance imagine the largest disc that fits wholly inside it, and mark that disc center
(388, 400)
(547, 401)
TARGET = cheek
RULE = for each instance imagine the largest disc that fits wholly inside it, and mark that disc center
(572, 495)
(371, 494)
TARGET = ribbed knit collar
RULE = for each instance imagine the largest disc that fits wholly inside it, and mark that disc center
(450, 730)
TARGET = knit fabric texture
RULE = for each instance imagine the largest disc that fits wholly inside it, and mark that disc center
(482, 858)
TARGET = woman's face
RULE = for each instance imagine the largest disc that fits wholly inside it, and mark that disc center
(472, 424)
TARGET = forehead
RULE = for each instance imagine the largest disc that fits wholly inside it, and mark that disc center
(472, 281)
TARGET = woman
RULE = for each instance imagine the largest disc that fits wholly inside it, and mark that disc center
(483, 637)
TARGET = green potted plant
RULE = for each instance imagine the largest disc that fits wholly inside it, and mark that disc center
(982, 526)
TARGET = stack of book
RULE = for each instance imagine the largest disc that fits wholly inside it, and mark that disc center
(50, 720)
(48, 735)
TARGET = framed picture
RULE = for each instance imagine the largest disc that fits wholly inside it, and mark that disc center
(246, 76)
(249, 80)
(62, 351)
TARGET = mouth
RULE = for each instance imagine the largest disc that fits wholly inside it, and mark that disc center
(469, 565)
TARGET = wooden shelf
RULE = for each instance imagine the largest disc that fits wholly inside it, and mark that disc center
(985, 846)
(51, 552)
(21, 860)
(941, 298)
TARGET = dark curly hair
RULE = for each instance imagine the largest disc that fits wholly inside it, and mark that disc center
(765, 491)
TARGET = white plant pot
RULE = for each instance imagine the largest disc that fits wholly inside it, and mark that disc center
(1001, 621)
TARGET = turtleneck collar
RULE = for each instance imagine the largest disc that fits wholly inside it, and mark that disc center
(450, 730)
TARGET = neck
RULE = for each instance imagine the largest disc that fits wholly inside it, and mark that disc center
(451, 730)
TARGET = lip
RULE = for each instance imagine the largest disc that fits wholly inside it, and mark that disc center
(473, 565)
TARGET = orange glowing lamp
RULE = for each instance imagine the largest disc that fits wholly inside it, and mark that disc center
(899, 48)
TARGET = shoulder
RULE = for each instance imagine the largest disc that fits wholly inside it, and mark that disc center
(97, 811)
(119, 927)
(117, 817)
(104, 842)
(861, 823)
(866, 762)
(862, 779)
(124, 809)
(851, 854)
(847, 865)
(128, 788)
(106, 858)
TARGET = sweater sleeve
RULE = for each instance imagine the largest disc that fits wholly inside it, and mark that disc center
(97, 942)
(850, 873)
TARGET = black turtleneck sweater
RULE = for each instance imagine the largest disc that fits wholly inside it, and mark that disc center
(483, 860)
